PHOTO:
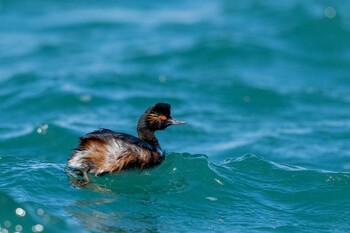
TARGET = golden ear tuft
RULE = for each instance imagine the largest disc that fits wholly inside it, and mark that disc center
(152, 118)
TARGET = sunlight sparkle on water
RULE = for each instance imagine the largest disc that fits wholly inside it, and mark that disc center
(40, 211)
(19, 228)
(162, 78)
(7, 224)
(85, 98)
(20, 212)
(211, 198)
(219, 182)
(330, 12)
(42, 129)
(38, 228)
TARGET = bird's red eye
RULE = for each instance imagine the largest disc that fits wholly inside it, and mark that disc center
(163, 118)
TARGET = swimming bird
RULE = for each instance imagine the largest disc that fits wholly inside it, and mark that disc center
(105, 151)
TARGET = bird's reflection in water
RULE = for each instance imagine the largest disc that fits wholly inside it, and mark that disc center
(115, 212)
(106, 215)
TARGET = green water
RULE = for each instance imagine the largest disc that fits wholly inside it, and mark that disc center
(264, 87)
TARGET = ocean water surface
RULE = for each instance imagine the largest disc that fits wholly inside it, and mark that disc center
(263, 85)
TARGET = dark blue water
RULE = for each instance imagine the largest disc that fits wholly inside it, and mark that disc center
(264, 87)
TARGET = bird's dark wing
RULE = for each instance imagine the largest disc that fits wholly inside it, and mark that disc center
(106, 134)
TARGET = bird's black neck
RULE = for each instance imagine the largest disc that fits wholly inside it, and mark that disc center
(145, 133)
(148, 136)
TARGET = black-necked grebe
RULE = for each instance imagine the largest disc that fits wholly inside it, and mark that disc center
(106, 151)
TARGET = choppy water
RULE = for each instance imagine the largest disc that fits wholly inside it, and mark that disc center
(264, 87)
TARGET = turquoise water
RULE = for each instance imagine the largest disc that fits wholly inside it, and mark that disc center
(263, 85)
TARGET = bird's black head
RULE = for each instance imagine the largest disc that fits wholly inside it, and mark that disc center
(158, 117)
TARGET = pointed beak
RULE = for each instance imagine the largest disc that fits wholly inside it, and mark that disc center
(173, 121)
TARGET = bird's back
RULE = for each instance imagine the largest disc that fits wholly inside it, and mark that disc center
(105, 151)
